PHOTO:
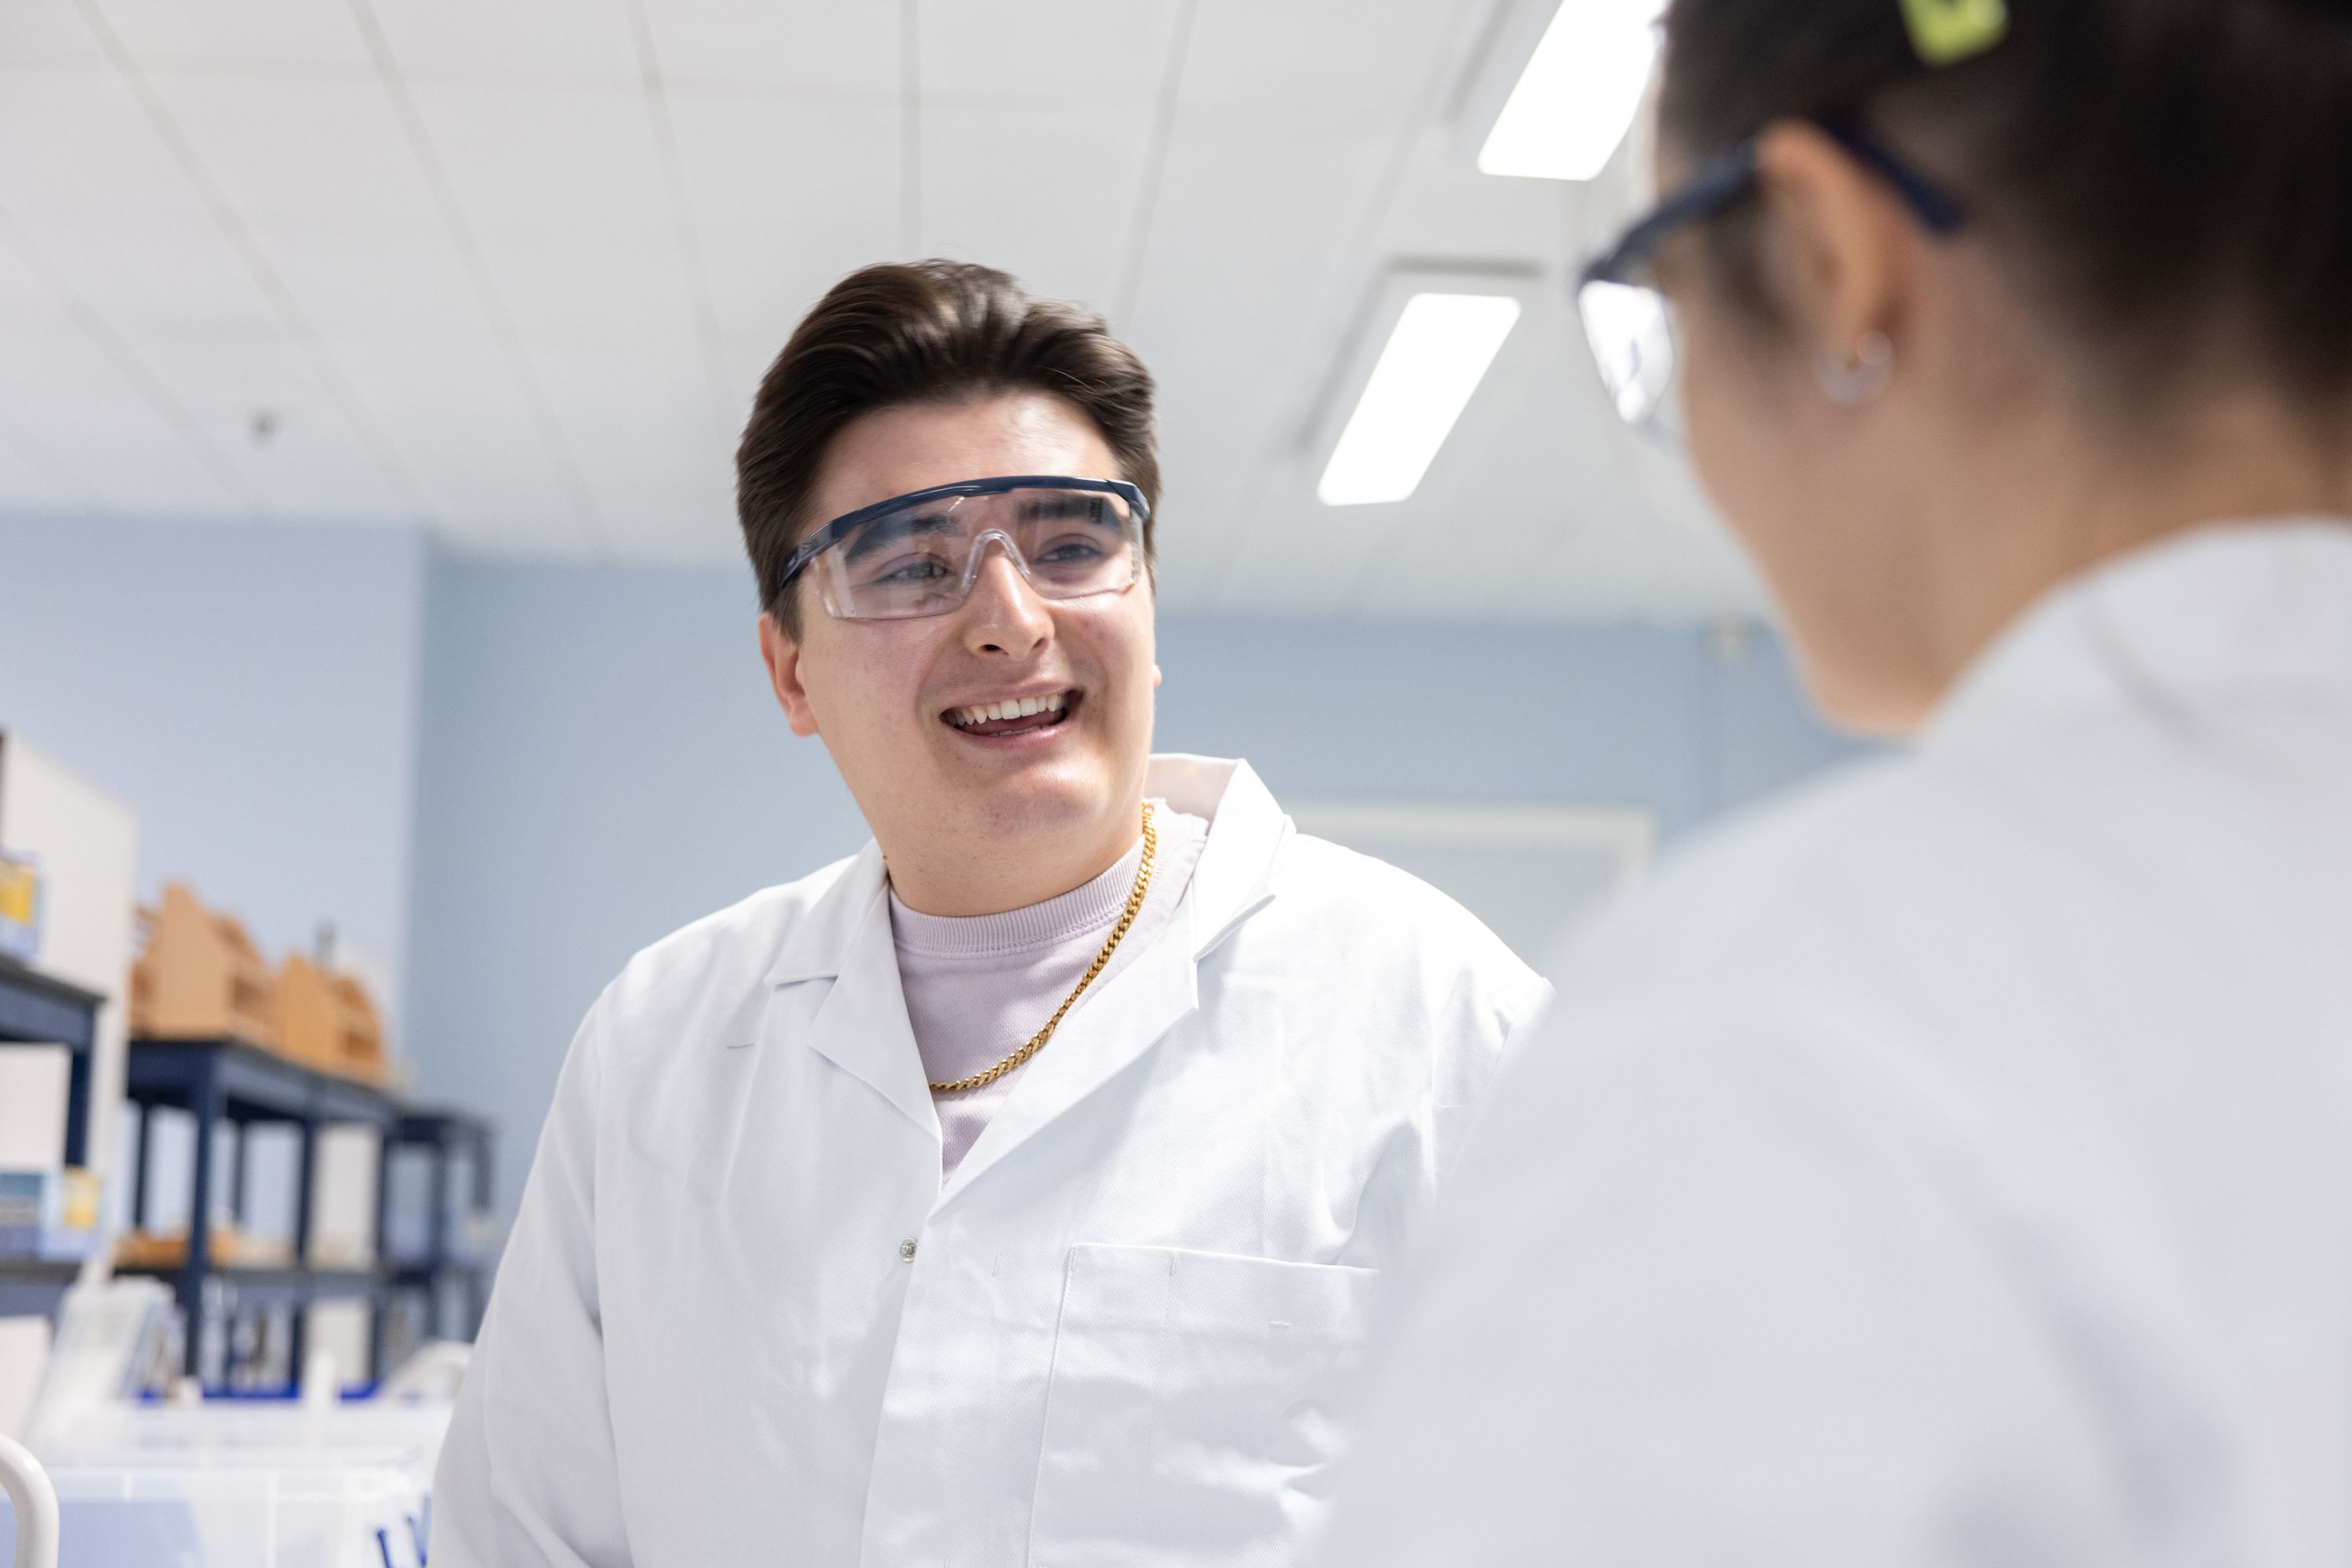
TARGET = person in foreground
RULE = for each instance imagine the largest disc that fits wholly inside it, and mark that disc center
(1953, 1163)
(1015, 1192)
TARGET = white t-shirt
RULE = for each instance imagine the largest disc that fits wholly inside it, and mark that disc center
(979, 986)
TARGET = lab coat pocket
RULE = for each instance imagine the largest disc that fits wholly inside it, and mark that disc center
(1194, 1409)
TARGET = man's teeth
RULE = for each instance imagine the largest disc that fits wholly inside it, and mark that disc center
(1020, 708)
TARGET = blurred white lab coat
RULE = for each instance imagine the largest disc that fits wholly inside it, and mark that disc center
(741, 1320)
(1952, 1164)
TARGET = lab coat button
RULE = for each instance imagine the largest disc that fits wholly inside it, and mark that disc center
(906, 1250)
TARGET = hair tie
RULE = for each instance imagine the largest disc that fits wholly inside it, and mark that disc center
(1946, 32)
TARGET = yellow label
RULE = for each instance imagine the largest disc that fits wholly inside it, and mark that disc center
(20, 887)
(82, 1194)
(1946, 32)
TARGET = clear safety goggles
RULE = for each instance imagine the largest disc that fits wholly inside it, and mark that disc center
(919, 554)
(1628, 321)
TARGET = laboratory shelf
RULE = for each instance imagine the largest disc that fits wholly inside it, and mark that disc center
(231, 1081)
(252, 1287)
(40, 1009)
(452, 1271)
(33, 1287)
(248, 1084)
(445, 1269)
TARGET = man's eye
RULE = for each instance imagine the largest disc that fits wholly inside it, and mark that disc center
(913, 569)
(1071, 552)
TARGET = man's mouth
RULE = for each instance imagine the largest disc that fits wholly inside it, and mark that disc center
(1014, 716)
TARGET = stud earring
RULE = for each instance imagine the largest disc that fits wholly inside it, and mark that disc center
(1851, 383)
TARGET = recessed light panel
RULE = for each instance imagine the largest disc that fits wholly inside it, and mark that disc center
(1434, 359)
(1578, 94)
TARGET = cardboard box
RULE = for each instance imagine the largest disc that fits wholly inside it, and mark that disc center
(199, 976)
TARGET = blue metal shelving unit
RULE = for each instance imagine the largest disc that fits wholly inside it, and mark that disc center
(443, 1263)
(38, 1008)
(228, 1080)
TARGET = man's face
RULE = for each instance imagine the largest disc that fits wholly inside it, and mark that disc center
(887, 696)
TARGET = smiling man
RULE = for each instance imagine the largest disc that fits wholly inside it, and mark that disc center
(1017, 1191)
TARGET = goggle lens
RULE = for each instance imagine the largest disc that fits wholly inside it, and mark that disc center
(923, 560)
(1631, 330)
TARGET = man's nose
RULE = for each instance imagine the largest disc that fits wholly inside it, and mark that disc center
(1004, 615)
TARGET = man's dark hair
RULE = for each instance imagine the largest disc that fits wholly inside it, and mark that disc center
(920, 332)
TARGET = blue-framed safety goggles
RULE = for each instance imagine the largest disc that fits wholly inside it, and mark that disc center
(919, 554)
(1627, 320)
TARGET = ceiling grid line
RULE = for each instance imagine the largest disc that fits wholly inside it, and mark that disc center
(233, 227)
(1155, 168)
(555, 446)
(688, 237)
(130, 367)
(1356, 254)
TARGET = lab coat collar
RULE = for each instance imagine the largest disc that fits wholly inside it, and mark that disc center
(1122, 1019)
(1246, 834)
(2216, 620)
(861, 1026)
(845, 936)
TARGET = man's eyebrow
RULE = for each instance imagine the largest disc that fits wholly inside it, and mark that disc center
(897, 528)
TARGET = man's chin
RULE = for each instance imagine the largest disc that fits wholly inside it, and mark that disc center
(1045, 795)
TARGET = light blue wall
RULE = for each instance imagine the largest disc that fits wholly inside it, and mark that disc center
(1681, 722)
(503, 779)
(249, 689)
(602, 761)
(599, 762)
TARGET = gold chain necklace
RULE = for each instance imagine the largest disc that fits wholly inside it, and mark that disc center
(1037, 1041)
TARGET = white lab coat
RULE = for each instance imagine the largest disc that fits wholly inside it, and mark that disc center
(741, 1320)
(1952, 1164)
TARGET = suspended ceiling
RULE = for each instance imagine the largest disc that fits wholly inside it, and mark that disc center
(510, 269)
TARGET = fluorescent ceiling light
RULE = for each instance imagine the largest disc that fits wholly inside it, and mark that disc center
(1434, 360)
(1579, 93)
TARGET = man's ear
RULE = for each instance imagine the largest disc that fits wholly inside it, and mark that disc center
(782, 656)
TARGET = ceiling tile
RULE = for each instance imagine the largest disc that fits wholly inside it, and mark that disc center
(820, 53)
(451, 403)
(1340, 64)
(374, 284)
(570, 40)
(786, 197)
(70, 399)
(297, 151)
(549, 163)
(997, 52)
(75, 146)
(242, 36)
(1046, 194)
(1307, 154)
(33, 478)
(44, 33)
(261, 405)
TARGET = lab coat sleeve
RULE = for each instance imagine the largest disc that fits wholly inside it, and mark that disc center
(528, 1477)
(1684, 1305)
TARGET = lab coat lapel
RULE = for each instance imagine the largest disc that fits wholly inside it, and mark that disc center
(1103, 1034)
(1115, 1025)
(861, 1026)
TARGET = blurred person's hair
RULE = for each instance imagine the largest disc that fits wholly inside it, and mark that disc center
(2168, 184)
(926, 331)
